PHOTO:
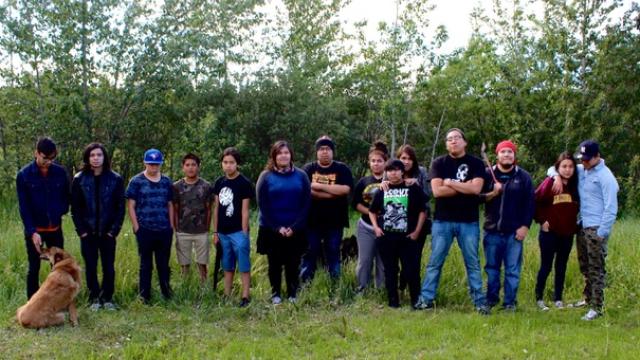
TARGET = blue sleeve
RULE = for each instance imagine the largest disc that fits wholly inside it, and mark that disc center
(610, 195)
(66, 187)
(305, 202)
(169, 187)
(262, 191)
(132, 190)
(24, 201)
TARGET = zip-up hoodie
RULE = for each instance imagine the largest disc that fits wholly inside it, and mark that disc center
(514, 207)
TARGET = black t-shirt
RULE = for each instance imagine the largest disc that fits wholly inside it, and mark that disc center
(364, 192)
(461, 207)
(230, 193)
(398, 208)
(329, 213)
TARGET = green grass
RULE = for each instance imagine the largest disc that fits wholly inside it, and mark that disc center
(328, 322)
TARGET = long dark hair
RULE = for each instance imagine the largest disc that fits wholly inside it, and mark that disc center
(414, 172)
(86, 165)
(572, 184)
(273, 152)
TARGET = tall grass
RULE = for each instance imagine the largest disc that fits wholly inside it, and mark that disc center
(329, 320)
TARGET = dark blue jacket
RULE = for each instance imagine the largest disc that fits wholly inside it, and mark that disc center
(514, 207)
(102, 214)
(42, 200)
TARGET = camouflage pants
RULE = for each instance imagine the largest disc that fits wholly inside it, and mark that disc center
(592, 251)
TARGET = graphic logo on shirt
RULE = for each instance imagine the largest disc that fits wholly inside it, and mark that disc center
(562, 198)
(369, 192)
(396, 203)
(462, 173)
(226, 199)
(326, 179)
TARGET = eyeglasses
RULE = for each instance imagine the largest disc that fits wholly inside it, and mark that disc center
(454, 138)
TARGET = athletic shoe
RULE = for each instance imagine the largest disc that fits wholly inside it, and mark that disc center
(95, 306)
(591, 315)
(245, 302)
(423, 305)
(483, 310)
(509, 308)
(559, 304)
(276, 300)
(292, 299)
(542, 306)
(109, 306)
(579, 303)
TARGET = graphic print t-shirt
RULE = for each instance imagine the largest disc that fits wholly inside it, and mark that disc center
(364, 193)
(461, 207)
(329, 213)
(398, 208)
(193, 204)
(152, 200)
(230, 193)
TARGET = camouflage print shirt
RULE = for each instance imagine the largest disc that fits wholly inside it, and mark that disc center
(193, 202)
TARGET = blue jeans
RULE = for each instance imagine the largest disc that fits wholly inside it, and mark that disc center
(499, 249)
(468, 236)
(331, 250)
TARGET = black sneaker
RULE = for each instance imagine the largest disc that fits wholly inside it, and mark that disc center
(423, 305)
(509, 308)
(483, 310)
(244, 302)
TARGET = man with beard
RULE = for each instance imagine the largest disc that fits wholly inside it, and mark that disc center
(508, 214)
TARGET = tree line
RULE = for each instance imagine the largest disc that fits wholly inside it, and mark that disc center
(199, 76)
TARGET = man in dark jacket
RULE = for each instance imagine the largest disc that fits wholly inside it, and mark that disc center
(43, 197)
(97, 209)
(508, 215)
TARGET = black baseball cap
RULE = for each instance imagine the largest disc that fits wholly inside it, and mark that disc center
(588, 149)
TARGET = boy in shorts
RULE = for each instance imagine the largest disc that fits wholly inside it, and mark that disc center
(232, 195)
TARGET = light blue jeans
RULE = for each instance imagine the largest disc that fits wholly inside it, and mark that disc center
(468, 236)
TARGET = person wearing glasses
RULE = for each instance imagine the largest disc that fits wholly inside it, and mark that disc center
(43, 198)
(456, 180)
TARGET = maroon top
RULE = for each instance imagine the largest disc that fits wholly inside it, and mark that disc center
(561, 211)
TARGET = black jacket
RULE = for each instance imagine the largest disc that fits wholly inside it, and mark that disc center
(514, 207)
(101, 213)
(42, 200)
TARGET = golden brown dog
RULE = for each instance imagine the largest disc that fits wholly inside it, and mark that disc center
(57, 293)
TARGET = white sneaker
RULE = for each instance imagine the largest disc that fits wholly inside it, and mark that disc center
(276, 300)
(95, 306)
(542, 306)
(559, 304)
(109, 306)
(579, 303)
(591, 315)
(292, 299)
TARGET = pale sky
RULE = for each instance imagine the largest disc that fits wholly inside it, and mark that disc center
(453, 14)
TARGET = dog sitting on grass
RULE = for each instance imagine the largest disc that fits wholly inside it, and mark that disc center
(57, 293)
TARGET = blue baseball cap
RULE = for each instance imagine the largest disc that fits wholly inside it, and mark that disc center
(153, 156)
(588, 149)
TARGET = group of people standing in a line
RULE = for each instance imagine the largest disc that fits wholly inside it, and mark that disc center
(303, 212)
